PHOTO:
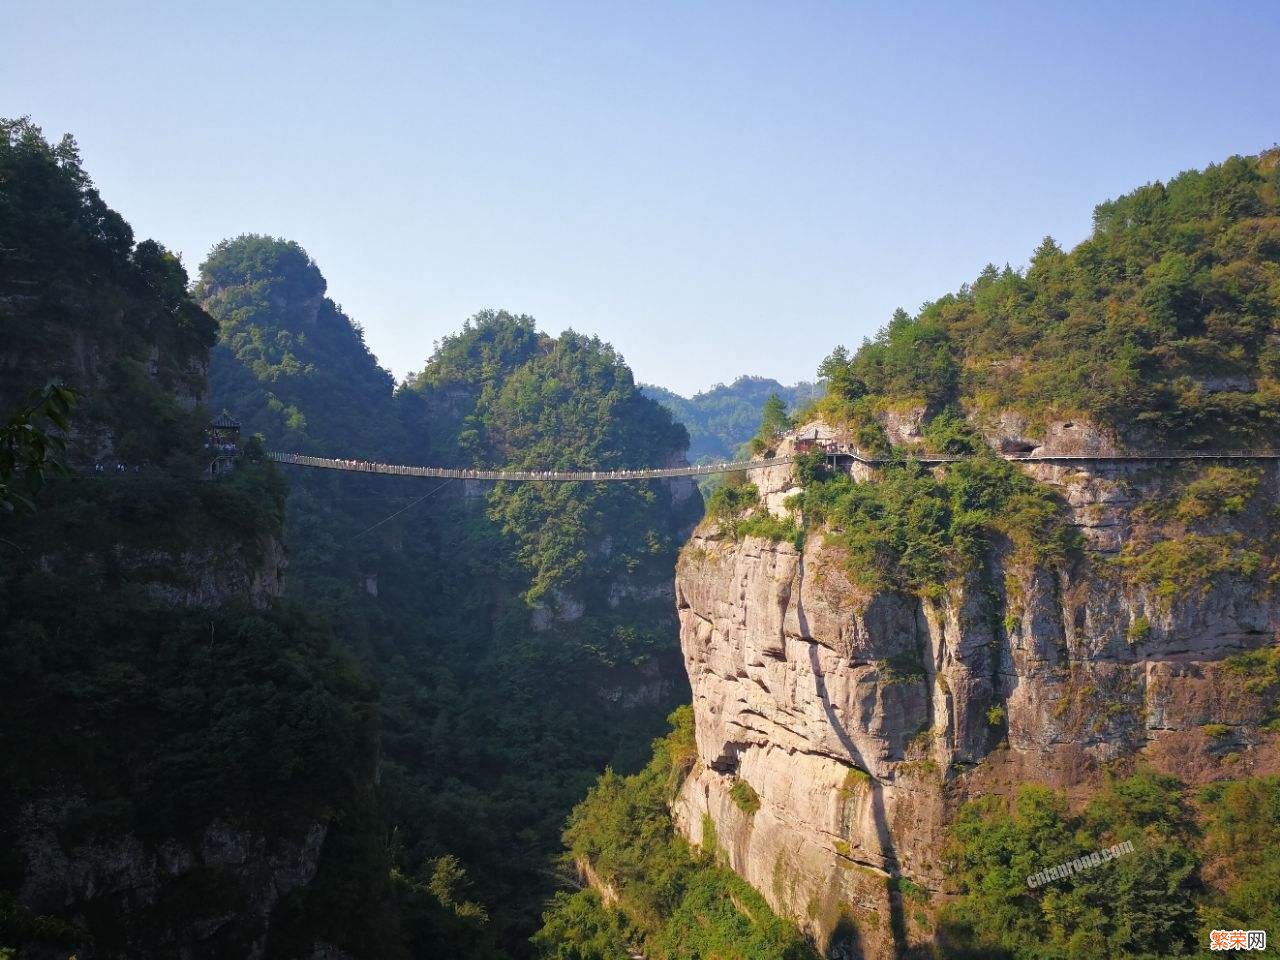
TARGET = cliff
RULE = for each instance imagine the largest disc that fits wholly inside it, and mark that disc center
(175, 744)
(862, 718)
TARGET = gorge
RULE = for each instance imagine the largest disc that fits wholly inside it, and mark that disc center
(340, 716)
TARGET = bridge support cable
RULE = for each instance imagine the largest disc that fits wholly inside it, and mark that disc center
(407, 506)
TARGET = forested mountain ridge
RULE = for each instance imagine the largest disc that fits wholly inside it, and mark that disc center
(521, 634)
(722, 419)
(193, 763)
(913, 687)
(175, 743)
(280, 340)
(1161, 325)
(83, 303)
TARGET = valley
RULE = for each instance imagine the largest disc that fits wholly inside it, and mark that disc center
(468, 665)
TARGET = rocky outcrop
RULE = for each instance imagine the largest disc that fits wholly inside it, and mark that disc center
(197, 564)
(218, 889)
(862, 719)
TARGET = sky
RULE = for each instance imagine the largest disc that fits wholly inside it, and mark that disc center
(715, 188)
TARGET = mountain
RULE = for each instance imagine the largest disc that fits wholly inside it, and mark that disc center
(176, 743)
(85, 304)
(522, 635)
(976, 708)
(722, 419)
(314, 715)
(295, 366)
(1160, 325)
(989, 708)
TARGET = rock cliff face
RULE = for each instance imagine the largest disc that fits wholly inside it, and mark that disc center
(162, 889)
(1022, 674)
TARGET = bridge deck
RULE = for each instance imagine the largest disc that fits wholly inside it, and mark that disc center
(599, 476)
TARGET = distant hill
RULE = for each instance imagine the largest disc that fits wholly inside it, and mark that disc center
(723, 418)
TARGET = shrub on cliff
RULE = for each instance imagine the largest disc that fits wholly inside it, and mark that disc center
(908, 529)
(1242, 855)
(773, 423)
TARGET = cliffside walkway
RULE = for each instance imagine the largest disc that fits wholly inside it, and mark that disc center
(601, 476)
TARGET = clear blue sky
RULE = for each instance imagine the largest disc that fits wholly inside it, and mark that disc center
(714, 188)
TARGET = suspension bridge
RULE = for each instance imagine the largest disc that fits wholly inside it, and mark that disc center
(836, 457)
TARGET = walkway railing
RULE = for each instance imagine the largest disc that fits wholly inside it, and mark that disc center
(562, 476)
(600, 476)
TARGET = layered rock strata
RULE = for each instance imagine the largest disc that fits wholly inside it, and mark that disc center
(1022, 674)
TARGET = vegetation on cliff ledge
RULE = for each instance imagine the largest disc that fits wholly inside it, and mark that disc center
(736, 509)
(915, 529)
(674, 901)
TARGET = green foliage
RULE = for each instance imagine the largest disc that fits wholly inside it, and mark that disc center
(1260, 668)
(487, 740)
(29, 442)
(141, 694)
(910, 890)
(571, 404)
(762, 523)
(437, 909)
(74, 285)
(1214, 864)
(1189, 564)
(735, 506)
(289, 362)
(996, 715)
(1259, 671)
(1218, 490)
(1139, 630)
(773, 423)
(909, 530)
(1164, 318)
(951, 434)
(732, 498)
(1139, 905)
(903, 668)
(675, 902)
(722, 419)
(179, 715)
(579, 927)
(855, 781)
(1242, 849)
(744, 797)
(153, 718)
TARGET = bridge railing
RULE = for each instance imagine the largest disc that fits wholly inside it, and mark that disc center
(570, 476)
(659, 473)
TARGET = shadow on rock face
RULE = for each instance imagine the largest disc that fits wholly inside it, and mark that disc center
(897, 919)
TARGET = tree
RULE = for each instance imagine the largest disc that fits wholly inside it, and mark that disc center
(28, 447)
(773, 423)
